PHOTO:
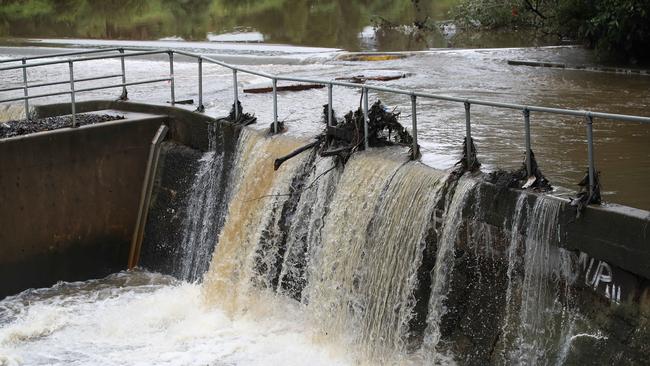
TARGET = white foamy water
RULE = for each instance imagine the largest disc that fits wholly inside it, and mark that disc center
(141, 318)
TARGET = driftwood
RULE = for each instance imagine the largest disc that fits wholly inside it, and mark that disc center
(371, 57)
(279, 161)
(360, 79)
(346, 136)
(296, 87)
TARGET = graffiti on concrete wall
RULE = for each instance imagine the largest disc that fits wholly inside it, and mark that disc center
(599, 276)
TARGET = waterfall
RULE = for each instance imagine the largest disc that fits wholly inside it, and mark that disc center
(545, 318)
(362, 279)
(371, 253)
(306, 232)
(200, 227)
(257, 189)
(206, 211)
(452, 220)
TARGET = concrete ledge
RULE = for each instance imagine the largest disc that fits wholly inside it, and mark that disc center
(186, 127)
(69, 200)
(619, 235)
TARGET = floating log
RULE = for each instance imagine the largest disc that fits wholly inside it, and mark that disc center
(360, 79)
(557, 65)
(372, 57)
(182, 101)
(296, 87)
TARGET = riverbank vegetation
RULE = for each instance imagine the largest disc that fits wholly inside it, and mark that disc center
(329, 23)
(618, 29)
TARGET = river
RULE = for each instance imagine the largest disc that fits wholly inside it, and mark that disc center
(147, 318)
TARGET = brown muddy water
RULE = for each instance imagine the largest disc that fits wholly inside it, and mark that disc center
(147, 318)
(622, 153)
(249, 31)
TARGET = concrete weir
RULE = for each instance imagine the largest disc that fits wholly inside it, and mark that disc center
(495, 276)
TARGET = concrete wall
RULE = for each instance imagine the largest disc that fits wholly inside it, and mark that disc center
(69, 200)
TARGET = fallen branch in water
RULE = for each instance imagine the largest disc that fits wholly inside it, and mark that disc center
(297, 87)
(279, 161)
(360, 79)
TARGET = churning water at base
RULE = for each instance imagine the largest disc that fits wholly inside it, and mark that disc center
(316, 263)
(140, 318)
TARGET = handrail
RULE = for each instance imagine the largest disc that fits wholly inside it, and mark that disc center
(62, 54)
(365, 88)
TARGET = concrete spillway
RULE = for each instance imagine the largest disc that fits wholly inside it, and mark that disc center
(390, 259)
(397, 260)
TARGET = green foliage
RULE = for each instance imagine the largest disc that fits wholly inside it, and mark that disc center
(486, 13)
(621, 27)
(617, 29)
(334, 23)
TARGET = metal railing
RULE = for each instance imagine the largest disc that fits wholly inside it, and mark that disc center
(365, 88)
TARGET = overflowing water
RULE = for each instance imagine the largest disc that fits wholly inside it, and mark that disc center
(545, 318)
(452, 222)
(206, 211)
(315, 263)
(140, 318)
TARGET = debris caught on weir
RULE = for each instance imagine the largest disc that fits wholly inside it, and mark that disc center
(295, 87)
(346, 135)
(281, 128)
(24, 127)
(243, 119)
(462, 164)
(519, 178)
(584, 198)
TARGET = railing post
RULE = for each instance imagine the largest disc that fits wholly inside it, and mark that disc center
(414, 120)
(124, 95)
(72, 96)
(26, 90)
(200, 108)
(234, 85)
(275, 105)
(365, 118)
(171, 75)
(590, 153)
(329, 104)
(529, 169)
(468, 135)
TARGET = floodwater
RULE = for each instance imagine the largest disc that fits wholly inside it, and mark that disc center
(142, 318)
(323, 23)
(622, 154)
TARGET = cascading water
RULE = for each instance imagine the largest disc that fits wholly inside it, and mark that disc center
(367, 258)
(206, 212)
(258, 190)
(362, 280)
(514, 267)
(305, 233)
(545, 318)
(452, 221)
